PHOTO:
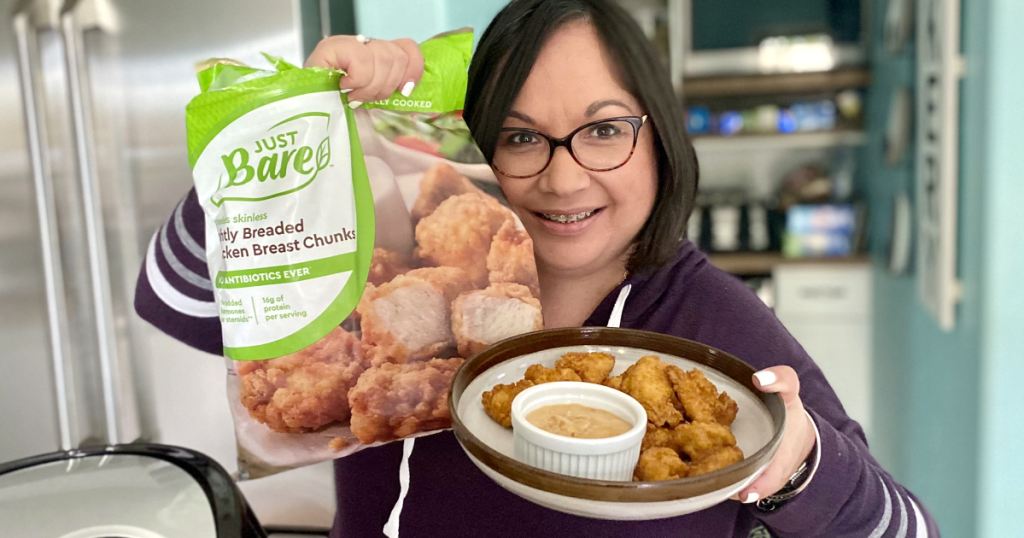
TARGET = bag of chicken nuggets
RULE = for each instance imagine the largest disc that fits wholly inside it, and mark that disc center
(358, 256)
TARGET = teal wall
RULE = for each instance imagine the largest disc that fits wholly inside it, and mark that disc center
(924, 379)
(422, 19)
(392, 19)
(1002, 405)
(946, 420)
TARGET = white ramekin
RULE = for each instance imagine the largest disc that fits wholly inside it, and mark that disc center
(611, 458)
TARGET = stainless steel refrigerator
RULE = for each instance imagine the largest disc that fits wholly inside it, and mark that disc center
(92, 160)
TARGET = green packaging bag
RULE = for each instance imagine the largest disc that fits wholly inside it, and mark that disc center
(358, 256)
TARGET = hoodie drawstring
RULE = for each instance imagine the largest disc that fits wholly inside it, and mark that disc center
(620, 304)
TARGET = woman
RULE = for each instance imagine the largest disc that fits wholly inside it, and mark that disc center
(606, 207)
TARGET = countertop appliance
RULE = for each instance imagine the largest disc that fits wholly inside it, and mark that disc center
(128, 491)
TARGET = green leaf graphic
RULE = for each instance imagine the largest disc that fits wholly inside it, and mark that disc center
(323, 154)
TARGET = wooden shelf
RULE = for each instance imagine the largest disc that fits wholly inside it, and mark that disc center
(789, 83)
(777, 142)
(762, 263)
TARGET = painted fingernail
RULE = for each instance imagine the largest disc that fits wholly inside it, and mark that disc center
(346, 90)
(407, 89)
(765, 378)
(354, 104)
(751, 498)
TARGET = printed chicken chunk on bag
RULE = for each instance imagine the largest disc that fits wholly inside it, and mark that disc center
(459, 234)
(483, 317)
(357, 256)
(409, 318)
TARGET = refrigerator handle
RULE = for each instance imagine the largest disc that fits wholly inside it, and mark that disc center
(82, 120)
(25, 18)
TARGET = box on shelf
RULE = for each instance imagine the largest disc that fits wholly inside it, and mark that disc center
(820, 230)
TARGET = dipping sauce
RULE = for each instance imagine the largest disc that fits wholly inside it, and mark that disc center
(580, 421)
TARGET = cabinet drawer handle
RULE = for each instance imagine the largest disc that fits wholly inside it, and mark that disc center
(823, 292)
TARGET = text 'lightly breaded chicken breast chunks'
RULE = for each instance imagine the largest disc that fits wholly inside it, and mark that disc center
(481, 318)
(409, 318)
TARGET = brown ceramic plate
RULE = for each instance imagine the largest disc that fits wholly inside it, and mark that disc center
(758, 427)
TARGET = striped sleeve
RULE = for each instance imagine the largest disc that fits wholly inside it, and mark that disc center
(850, 496)
(174, 291)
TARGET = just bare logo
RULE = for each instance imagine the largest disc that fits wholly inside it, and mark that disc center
(277, 164)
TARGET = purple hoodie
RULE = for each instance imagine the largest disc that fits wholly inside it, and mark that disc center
(849, 496)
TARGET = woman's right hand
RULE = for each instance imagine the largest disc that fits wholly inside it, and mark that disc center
(375, 69)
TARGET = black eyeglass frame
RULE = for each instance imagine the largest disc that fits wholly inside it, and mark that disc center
(566, 141)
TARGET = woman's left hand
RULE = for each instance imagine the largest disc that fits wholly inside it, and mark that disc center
(797, 441)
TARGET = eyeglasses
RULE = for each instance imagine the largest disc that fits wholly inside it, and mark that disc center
(598, 146)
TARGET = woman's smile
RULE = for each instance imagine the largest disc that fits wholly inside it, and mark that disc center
(569, 222)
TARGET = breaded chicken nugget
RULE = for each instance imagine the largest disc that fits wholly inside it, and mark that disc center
(439, 183)
(726, 410)
(511, 258)
(659, 463)
(392, 401)
(614, 382)
(498, 401)
(409, 318)
(386, 265)
(452, 281)
(647, 382)
(591, 367)
(696, 438)
(459, 234)
(714, 460)
(659, 437)
(540, 374)
(483, 317)
(307, 389)
(698, 396)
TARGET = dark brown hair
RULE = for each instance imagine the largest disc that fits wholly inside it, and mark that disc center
(496, 76)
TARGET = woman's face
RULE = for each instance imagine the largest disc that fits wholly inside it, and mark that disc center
(571, 84)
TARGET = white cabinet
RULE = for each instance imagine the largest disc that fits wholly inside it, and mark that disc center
(827, 308)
